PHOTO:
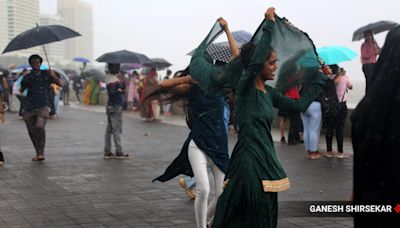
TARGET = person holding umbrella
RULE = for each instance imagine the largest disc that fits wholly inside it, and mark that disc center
(115, 90)
(37, 103)
(369, 52)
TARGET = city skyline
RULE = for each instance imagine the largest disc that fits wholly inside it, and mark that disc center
(19, 16)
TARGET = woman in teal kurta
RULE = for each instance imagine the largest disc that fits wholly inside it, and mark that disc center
(254, 174)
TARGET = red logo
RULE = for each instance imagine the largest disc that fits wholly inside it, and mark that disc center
(397, 208)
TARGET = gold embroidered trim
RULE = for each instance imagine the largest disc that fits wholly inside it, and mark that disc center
(276, 185)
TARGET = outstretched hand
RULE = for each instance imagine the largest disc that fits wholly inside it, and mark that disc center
(270, 14)
(223, 23)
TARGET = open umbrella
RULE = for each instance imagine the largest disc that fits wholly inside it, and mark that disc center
(221, 51)
(158, 63)
(124, 56)
(81, 59)
(335, 54)
(131, 66)
(375, 28)
(97, 74)
(40, 35)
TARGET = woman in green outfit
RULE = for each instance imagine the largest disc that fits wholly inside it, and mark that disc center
(254, 174)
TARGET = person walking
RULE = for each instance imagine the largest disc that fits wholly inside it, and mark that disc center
(115, 91)
(37, 103)
(255, 175)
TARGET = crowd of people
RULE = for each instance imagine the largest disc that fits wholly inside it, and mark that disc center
(247, 182)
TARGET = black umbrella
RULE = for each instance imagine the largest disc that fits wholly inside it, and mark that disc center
(40, 35)
(375, 28)
(124, 56)
(158, 63)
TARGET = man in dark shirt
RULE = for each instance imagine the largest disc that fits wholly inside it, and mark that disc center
(37, 103)
(115, 90)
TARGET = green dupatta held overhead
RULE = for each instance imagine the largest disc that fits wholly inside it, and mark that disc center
(255, 174)
(201, 66)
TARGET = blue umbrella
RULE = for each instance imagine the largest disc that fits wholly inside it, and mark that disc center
(81, 59)
(336, 54)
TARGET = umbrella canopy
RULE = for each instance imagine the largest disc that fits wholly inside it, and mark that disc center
(221, 51)
(158, 63)
(131, 66)
(4, 73)
(71, 73)
(124, 56)
(40, 35)
(81, 59)
(97, 74)
(375, 28)
(336, 54)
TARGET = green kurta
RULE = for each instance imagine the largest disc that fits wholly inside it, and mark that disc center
(255, 175)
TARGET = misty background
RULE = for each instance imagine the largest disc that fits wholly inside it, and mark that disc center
(171, 28)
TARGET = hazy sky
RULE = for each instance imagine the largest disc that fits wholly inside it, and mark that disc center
(172, 28)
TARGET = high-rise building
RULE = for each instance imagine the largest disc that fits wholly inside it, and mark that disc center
(78, 16)
(17, 16)
(56, 50)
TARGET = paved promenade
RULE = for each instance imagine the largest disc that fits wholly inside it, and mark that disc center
(75, 187)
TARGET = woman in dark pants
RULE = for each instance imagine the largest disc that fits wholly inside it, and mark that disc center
(336, 123)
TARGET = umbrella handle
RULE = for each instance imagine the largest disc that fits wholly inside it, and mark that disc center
(47, 59)
(45, 53)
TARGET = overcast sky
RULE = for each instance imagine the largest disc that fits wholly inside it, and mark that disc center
(172, 28)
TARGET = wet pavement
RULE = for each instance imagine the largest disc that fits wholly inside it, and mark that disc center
(75, 187)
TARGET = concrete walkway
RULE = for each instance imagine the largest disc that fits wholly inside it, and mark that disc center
(75, 187)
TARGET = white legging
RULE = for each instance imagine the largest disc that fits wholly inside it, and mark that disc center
(198, 160)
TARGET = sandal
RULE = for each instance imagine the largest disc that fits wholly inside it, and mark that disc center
(38, 158)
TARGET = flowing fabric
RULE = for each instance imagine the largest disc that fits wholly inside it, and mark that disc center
(376, 138)
(205, 111)
(255, 175)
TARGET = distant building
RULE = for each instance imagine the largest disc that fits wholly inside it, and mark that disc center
(17, 16)
(78, 16)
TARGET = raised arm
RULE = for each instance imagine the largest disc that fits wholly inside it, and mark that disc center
(282, 102)
(235, 52)
(54, 79)
(259, 55)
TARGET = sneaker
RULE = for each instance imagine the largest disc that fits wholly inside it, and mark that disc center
(283, 140)
(122, 156)
(1, 158)
(342, 155)
(109, 155)
(330, 154)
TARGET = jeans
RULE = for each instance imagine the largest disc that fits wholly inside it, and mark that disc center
(114, 129)
(312, 126)
(198, 161)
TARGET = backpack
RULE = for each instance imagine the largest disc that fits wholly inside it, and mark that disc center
(330, 105)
